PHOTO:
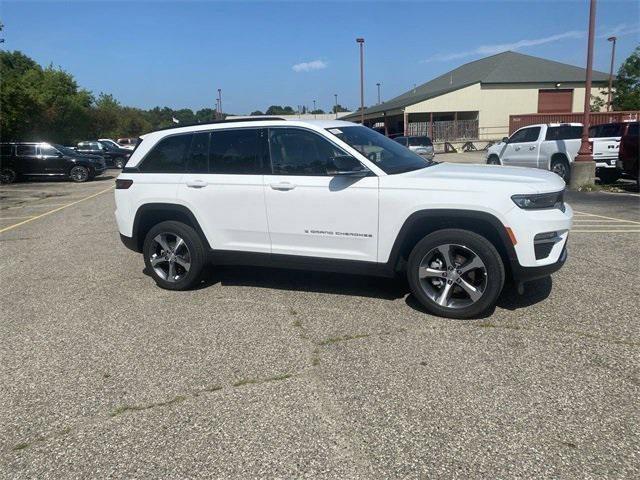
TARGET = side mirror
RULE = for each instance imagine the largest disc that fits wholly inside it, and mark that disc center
(347, 165)
(505, 139)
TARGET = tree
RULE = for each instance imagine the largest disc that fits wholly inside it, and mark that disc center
(597, 103)
(257, 112)
(279, 110)
(339, 108)
(317, 111)
(627, 84)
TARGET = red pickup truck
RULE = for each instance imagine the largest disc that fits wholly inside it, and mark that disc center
(629, 154)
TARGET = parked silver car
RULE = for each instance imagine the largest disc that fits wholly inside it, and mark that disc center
(421, 145)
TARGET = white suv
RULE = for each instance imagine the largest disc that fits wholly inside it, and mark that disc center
(336, 196)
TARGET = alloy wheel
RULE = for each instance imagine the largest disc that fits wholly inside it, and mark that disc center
(453, 276)
(7, 176)
(560, 168)
(79, 174)
(170, 257)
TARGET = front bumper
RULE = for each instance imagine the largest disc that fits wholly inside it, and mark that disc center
(525, 274)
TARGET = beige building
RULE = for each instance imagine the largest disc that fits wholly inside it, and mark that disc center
(474, 101)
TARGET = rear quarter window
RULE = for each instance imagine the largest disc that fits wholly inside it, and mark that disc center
(168, 155)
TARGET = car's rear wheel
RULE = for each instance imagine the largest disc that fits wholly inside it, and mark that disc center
(455, 273)
(560, 167)
(175, 256)
(609, 175)
(493, 160)
(8, 175)
(79, 174)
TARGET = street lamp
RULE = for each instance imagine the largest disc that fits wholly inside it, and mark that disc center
(613, 54)
(314, 109)
(361, 42)
(583, 168)
(378, 85)
(220, 102)
(336, 107)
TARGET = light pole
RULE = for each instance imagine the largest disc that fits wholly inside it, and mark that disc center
(361, 42)
(583, 169)
(378, 85)
(613, 55)
(336, 102)
(220, 102)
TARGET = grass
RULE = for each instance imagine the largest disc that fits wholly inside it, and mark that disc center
(343, 338)
(253, 381)
(136, 408)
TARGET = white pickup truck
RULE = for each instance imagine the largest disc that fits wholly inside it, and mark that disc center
(554, 147)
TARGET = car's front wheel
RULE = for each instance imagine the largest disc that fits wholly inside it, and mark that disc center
(174, 255)
(493, 160)
(119, 163)
(79, 174)
(455, 273)
(7, 175)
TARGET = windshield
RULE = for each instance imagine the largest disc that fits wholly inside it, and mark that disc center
(386, 154)
(108, 145)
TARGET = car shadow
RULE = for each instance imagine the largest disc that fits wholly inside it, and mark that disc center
(354, 285)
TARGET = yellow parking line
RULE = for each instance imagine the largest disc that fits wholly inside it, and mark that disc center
(10, 227)
(609, 218)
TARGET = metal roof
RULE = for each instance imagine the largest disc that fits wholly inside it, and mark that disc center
(506, 67)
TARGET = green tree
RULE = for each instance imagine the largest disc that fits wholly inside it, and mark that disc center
(627, 84)
(257, 112)
(339, 108)
(318, 111)
(280, 110)
(597, 103)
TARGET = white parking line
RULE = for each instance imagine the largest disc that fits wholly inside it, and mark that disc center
(605, 231)
(608, 218)
(14, 218)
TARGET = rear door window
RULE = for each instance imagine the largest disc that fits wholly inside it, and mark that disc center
(168, 156)
(198, 159)
(238, 152)
(26, 150)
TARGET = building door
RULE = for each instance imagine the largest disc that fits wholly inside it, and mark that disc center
(556, 100)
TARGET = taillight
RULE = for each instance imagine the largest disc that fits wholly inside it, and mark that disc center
(123, 183)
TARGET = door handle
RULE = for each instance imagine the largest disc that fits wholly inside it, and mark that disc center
(532, 148)
(282, 186)
(196, 183)
(517, 148)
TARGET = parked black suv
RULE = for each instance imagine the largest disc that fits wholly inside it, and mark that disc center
(114, 156)
(38, 159)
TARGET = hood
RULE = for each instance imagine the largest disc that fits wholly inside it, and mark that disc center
(489, 177)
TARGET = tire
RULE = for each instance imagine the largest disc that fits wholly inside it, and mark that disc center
(79, 174)
(560, 166)
(159, 259)
(445, 286)
(493, 160)
(119, 163)
(8, 175)
(608, 175)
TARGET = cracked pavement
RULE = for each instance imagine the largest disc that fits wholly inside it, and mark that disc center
(291, 374)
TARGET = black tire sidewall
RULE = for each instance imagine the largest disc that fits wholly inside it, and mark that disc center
(196, 249)
(567, 168)
(481, 246)
(493, 157)
(119, 163)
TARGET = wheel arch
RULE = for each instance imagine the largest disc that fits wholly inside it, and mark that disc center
(423, 222)
(151, 214)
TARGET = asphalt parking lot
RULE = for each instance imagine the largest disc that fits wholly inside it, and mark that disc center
(274, 373)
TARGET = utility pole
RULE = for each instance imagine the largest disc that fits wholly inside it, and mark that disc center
(336, 103)
(360, 41)
(314, 109)
(220, 102)
(613, 55)
(378, 85)
(583, 169)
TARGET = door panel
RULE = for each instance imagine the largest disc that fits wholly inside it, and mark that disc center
(311, 213)
(334, 217)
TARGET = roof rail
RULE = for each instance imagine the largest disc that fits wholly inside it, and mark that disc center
(217, 122)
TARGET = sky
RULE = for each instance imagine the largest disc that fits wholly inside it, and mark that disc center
(261, 53)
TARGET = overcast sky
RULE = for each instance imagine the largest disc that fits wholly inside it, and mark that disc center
(177, 53)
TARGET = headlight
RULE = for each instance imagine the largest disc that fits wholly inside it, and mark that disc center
(540, 201)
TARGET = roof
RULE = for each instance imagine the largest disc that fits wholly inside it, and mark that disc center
(505, 67)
